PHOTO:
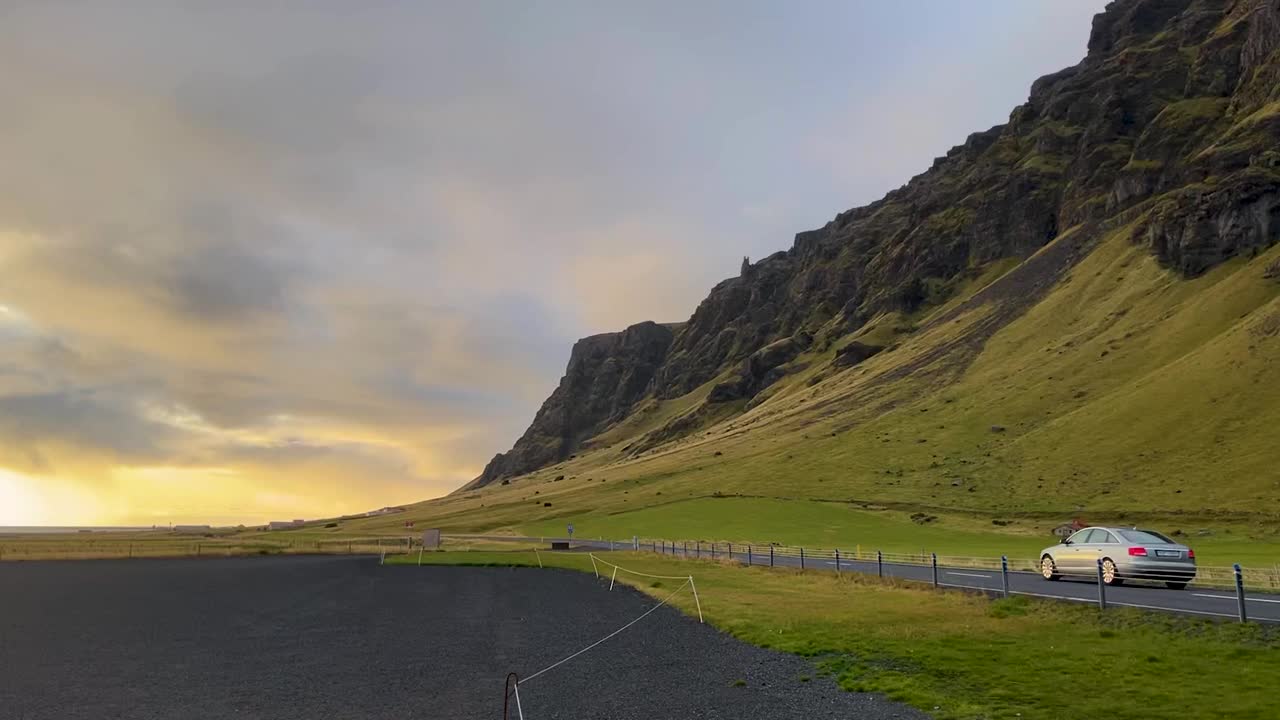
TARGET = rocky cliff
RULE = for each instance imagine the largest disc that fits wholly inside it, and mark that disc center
(607, 374)
(1172, 119)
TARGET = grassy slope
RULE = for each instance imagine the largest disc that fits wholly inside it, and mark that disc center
(1126, 394)
(963, 656)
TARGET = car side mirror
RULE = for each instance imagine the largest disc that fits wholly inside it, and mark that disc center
(1067, 541)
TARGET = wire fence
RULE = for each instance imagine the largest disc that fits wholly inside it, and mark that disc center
(1206, 576)
(992, 575)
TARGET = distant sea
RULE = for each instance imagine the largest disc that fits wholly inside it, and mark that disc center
(52, 530)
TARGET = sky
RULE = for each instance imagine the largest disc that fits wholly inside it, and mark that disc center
(298, 259)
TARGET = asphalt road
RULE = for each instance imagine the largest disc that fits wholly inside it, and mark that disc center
(1210, 602)
(293, 638)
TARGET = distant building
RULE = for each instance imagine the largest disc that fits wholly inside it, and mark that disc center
(285, 524)
(1066, 529)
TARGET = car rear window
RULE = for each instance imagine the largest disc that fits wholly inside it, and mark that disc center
(1145, 536)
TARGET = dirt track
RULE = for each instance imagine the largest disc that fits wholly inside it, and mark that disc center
(342, 637)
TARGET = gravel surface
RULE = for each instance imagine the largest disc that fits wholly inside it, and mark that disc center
(342, 637)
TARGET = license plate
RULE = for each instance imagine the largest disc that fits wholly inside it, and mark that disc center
(1168, 553)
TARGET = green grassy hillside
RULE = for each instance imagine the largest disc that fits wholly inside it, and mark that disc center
(1124, 393)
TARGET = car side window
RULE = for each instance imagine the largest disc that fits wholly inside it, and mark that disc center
(1102, 536)
(1079, 537)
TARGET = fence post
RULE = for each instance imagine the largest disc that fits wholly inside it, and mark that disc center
(879, 564)
(731, 552)
(1004, 574)
(837, 561)
(748, 555)
(935, 569)
(770, 556)
(1102, 588)
(801, 558)
(686, 548)
(1244, 615)
(698, 548)
(713, 549)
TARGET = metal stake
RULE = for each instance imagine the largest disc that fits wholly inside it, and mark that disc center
(1004, 574)
(1244, 615)
(1102, 588)
(935, 569)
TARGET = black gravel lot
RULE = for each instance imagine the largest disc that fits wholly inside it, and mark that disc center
(342, 637)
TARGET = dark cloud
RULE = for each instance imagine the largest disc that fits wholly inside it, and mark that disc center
(37, 428)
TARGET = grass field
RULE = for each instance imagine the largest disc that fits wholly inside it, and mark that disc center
(964, 656)
(840, 525)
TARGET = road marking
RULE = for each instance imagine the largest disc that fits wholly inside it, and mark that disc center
(952, 572)
(1233, 597)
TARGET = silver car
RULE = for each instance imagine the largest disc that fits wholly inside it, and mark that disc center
(1125, 553)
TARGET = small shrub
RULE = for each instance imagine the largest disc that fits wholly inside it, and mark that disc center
(739, 683)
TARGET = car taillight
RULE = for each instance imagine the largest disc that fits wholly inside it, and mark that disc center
(1191, 554)
(1138, 551)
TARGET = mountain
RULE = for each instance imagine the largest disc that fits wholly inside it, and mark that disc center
(1083, 302)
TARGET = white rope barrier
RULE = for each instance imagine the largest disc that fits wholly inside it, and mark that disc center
(687, 578)
(595, 559)
(601, 640)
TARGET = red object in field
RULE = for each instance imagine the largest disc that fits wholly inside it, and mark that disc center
(1138, 551)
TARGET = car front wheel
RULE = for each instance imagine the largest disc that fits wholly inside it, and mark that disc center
(1048, 569)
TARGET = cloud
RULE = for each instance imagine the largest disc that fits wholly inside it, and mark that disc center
(305, 259)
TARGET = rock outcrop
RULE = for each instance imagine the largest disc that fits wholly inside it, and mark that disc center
(606, 375)
(1172, 119)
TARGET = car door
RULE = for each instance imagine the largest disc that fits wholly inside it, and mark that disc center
(1098, 545)
(1072, 559)
(1101, 544)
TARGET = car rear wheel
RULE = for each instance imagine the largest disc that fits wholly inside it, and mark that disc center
(1178, 585)
(1048, 569)
(1109, 574)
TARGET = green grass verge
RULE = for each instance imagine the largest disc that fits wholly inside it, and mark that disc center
(958, 655)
